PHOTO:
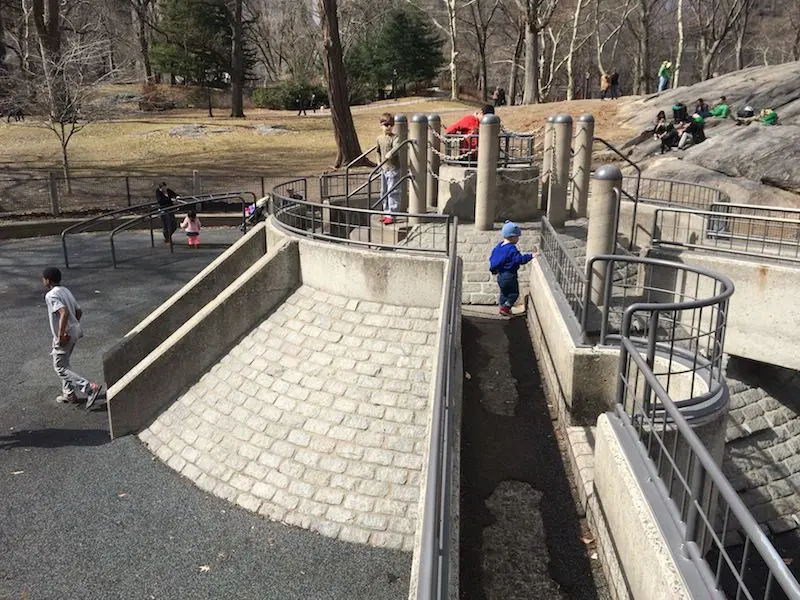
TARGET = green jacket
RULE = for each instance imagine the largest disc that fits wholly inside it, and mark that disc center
(721, 111)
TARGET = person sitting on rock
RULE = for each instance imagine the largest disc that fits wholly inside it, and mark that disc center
(720, 110)
(665, 132)
(701, 108)
(693, 133)
(768, 117)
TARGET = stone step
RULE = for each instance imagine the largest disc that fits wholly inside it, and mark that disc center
(317, 418)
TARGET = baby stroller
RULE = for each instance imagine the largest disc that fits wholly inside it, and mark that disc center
(255, 213)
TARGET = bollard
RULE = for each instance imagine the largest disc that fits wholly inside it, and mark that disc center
(603, 215)
(196, 183)
(486, 186)
(434, 147)
(52, 184)
(547, 161)
(582, 165)
(417, 161)
(559, 177)
(401, 130)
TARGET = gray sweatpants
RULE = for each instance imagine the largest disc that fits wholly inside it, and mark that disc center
(70, 380)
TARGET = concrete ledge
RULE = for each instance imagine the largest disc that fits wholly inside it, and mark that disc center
(185, 303)
(650, 572)
(378, 276)
(581, 380)
(189, 352)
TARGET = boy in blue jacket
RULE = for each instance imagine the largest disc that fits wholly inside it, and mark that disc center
(504, 262)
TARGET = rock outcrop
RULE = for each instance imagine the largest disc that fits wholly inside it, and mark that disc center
(754, 164)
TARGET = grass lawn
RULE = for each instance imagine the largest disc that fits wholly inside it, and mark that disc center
(144, 143)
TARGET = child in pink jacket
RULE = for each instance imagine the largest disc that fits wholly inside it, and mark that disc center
(191, 223)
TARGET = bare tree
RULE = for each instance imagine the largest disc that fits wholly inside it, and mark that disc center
(344, 130)
(681, 46)
(577, 39)
(536, 14)
(237, 61)
(609, 23)
(715, 20)
(481, 16)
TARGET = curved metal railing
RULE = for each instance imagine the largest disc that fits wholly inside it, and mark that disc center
(359, 226)
(85, 225)
(183, 203)
(675, 311)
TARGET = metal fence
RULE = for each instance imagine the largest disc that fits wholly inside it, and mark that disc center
(728, 232)
(357, 226)
(663, 306)
(32, 194)
(698, 508)
(514, 149)
(567, 272)
(678, 193)
(434, 557)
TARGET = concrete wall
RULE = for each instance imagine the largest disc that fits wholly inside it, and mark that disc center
(582, 378)
(517, 196)
(187, 301)
(386, 277)
(680, 227)
(189, 352)
(648, 570)
(764, 316)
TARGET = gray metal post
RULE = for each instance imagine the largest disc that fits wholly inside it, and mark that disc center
(547, 161)
(417, 161)
(486, 186)
(559, 178)
(196, 184)
(602, 224)
(52, 185)
(434, 146)
(401, 130)
(582, 165)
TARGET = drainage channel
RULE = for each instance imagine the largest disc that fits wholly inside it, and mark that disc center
(521, 533)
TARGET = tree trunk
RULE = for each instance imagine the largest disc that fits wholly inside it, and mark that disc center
(571, 56)
(513, 80)
(64, 139)
(138, 12)
(343, 129)
(453, 29)
(530, 89)
(644, 51)
(237, 64)
(681, 45)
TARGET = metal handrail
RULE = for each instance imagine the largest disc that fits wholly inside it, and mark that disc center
(352, 163)
(377, 167)
(625, 158)
(774, 562)
(672, 185)
(290, 207)
(714, 220)
(398, 183)
(566, 270)
(434, 552)
(173, 209)
(72, 228)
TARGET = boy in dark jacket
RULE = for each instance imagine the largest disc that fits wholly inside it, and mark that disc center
(504, 262)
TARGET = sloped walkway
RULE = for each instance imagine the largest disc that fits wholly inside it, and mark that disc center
(317, 418)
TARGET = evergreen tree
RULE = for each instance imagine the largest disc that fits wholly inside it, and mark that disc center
(404, 50)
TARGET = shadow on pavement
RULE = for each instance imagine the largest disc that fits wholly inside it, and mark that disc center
(54, 438)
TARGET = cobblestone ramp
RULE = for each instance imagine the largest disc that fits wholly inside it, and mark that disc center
(762, 458)
(317, 418)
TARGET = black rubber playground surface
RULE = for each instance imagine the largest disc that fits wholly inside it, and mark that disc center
(520, 530)
(82, 517)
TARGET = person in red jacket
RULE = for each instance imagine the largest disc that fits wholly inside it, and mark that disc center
(469, 125)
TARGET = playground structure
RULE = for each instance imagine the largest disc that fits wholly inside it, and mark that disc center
(632, 343)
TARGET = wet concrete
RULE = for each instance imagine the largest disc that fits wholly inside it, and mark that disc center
(521, 534)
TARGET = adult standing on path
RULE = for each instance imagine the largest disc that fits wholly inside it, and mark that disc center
(164, 197)
(64, 314)
(614, 80)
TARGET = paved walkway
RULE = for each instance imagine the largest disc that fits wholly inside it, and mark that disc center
(317, 418)
(84, 517)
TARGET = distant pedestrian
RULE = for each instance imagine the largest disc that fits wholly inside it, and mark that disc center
(314, 103)
(64, 314)
(614, 80)
(504, 261)
(664, 75)
(191, 225)
(388, 145)
(605, 84)
(301, 106)
(164, 198)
